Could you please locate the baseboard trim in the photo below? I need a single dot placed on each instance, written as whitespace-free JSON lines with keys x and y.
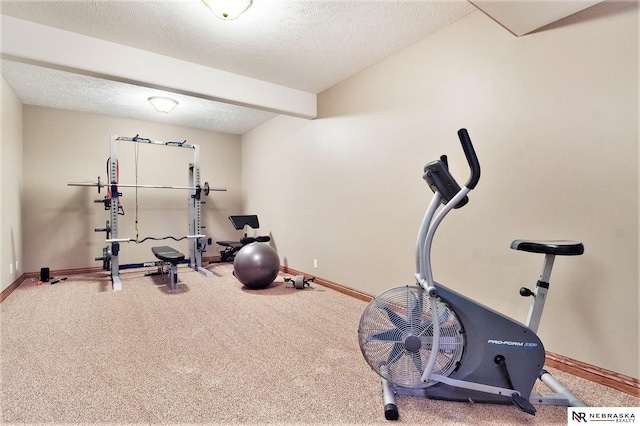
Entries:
{"x":330,"y":284}
{"x":7,"y":291}
{"x":35,"y":275}
{"x":580,"y":369}
{"x":595,"y":374}
{"x":62,"y":272}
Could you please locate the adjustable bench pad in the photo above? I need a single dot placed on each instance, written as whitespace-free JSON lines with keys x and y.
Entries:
{"x":168,"y":254}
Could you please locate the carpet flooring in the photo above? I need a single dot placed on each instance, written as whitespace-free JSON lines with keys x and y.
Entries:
{"x":213,"y":352}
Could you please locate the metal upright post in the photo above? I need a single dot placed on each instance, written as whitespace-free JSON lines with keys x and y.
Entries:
{"x":195,"y":256}
{"x":115,"y":246}
{"x":193,"y":229}
{"x":540,"y":294}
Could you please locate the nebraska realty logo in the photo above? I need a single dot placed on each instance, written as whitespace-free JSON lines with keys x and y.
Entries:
{"x":582,"y":415}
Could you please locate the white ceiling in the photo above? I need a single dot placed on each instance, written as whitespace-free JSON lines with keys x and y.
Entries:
{"x":108,"y":57}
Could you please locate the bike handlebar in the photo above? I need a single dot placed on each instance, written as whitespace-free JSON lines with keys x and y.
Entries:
{"x":472,"y":159}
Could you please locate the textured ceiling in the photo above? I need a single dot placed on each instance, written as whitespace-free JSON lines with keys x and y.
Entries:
{"x":283,"y":46}
{"x":307,"y":45}
{"x":302,"y":44}
{"x":41,"y":86}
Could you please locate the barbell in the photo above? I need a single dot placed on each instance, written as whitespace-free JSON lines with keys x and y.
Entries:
{"x":131,"y":240}
{"x":205,"y":188}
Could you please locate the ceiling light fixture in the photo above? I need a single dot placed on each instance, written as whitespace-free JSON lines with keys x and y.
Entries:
{"x":228,"y":9}
{"x":161,"y":104}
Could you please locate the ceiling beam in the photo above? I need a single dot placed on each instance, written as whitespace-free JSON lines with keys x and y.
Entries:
{"x":59,"y":49}
{"x":525,"y":16}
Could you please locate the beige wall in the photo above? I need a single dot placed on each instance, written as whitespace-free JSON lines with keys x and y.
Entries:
{"x":11,"y":265}
{"x":59,"y":220}
{"x":554,"y":117}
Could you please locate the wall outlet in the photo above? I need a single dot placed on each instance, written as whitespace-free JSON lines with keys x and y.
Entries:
{"x":11,"y":268}
{"x":315,"y":263}
{"x":17,"y":266}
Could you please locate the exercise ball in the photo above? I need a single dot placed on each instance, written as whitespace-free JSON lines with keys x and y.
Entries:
{"x":256,"y":265}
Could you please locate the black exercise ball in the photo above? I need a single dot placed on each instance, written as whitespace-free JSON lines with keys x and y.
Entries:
{"x":256,"y":265}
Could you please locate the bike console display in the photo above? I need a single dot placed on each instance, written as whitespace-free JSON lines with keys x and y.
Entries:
{"x":440,"y":180}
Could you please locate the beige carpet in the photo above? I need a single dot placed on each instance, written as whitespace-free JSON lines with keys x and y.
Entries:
{"x":211,"y":353}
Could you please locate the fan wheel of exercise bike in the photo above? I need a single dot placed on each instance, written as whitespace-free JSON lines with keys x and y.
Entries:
{"x":396,"y":336}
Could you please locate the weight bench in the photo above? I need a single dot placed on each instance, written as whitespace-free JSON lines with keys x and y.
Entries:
{"x":232,"y":247}
{"x":173,"y":257}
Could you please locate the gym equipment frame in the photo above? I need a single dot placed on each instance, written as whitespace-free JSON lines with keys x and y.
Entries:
{"x":232,"y":247}
{"x":428,"y":340}
{"x":196,"y":240}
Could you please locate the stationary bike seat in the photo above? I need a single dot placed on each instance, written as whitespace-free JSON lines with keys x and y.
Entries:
{"x":557,"y":247}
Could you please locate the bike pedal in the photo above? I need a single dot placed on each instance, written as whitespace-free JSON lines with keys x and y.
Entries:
{"x":523,"y":404}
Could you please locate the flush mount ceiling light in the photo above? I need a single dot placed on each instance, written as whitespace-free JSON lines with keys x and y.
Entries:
{"x":161,"y":104}
{"x":228,"y":9}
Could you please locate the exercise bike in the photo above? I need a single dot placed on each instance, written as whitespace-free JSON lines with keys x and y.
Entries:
{"x":427,"y":340}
